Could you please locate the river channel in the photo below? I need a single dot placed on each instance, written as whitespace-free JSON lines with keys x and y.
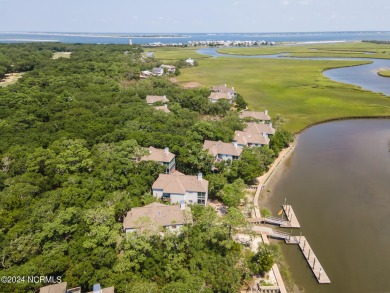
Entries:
{"x":338,"y":182}
{"x":364,"y":76}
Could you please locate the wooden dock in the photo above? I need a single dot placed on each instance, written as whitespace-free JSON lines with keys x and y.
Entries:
{"x":310,"y":257}
{"x":291,"y":217}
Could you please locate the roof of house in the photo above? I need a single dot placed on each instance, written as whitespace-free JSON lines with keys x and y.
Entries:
{"x":223,"y":89}
{"x":245,"y":138}
{"x":259,"y":128}
{"x":55,"y":288}
{"x":219,"y":147}
{"x":163,"y":108}
{"x":157,"y":70}
{"x":179,"y":184}
{"x":220,"y":95}
{"x":158,"y":155}
{"x":106,"y":290}
{"x":161,"y":214}
{"x":256,"y":115}
{"x":155,"y":99}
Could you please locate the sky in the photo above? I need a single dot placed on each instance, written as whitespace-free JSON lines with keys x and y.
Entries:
{"x":170,"y":16}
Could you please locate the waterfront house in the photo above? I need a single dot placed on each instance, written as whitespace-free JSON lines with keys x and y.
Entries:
{"x":260,"y":128}
{"x":170,"y":217}
{"x":214,"y":97}
{"x":163,"y":108}
{"x":162,"y":156}
{"x":96,"y":288}
{"x":222,"y":150}
{"x":157,"y":71}
{"x":178,"y":187}
{"x":259,"y":116}
{"x":244,"y":138}
{"x":150,"y":100}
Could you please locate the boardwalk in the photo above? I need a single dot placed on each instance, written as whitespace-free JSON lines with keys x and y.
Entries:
{"x":292,"y":218}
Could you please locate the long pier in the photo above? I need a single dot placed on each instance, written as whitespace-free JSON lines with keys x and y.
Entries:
{"x":291,"y":217}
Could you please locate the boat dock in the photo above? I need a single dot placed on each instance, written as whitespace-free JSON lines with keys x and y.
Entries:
{"x":291,"y":217}
{"x":310,"y":257}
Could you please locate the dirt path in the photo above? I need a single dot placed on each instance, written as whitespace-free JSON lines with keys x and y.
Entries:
{"x":10,"y":78}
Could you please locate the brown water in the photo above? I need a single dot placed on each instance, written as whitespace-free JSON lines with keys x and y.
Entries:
{"x":338,"y":182}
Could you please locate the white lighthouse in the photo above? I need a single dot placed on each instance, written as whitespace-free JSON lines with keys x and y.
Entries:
{"x":130,"y":42}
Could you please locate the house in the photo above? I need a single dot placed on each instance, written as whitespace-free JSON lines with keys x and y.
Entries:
{"x":97,"y":289}
{"x":222,"y":150}
{"x":260,"y":116}
{"x":162,"y":156}
{"x":163,"y":108}
{"x":243,"y":138}
{"x":214,"y":97}
{"x":157,"y":71}
{"x":171,"y":217}
{"x":168,"y":68}
{"x":260,"y":128}
{"x":59,"y":288}
{"x":177,"y":187}
{"x":224,"y":89}
{"x":190,"y":61}
{"x":154,"y":99}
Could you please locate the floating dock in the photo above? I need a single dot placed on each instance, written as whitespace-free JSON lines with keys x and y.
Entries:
{"x":291,"y":217}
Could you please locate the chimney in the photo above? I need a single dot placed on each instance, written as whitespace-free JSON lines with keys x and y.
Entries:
{"x":200,"y":175}
{"x":266,"y":112}
{"x":265,"y":135}
{"x":225,"y":84}
{"x":166,"y":150}
{"x":233,"y":88}
{"x":270,"y":125}
{"x":166,"y":106}
{"x":235,"y":144}
{"x":96,"y":288}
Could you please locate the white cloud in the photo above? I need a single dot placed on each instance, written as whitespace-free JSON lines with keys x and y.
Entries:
{"x":286,"y":2}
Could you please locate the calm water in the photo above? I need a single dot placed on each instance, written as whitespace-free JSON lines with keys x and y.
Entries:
{"x":137,"y":38}
{"x":338,"y":182}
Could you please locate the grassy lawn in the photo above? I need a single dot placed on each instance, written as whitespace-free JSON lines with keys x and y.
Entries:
{"x":10,"y":79}
{"x":61,"y":55}
{"x":352,"y":49}
{"x":172,"y":54}
{"x":294,"y":89}
{"x":384,"y":72}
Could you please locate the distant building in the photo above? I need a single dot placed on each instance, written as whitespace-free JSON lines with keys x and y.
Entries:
{"x":130,"y":42}
{"x":224,"y":89}
{"x":145,"y":74}
{"x":154,"y":99}
{"x":163,"y":108}
{"x":260,"y":128}
{"x":162,"y":156}
{"x":243,"y":138}
{"x":260,"y":116}
{"x":169,"y":68}
{"x":177,"y":187}
{"x":222,"y":150}
{"x":215,"y":97}
{"x":190,"y":61}
{"x":171,"y":217}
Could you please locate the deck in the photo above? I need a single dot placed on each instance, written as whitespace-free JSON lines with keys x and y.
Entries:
{"x":291,"y":217}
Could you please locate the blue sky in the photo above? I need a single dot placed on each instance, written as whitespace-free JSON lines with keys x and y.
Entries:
{"x":194,"y":16}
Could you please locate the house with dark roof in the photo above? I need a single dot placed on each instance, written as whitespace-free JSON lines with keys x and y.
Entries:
{"x":171,"y":217}
{"x":250,"y":139}
{"x":222,"y":150}
{"x":178,"y":187}
{"x":259,"y":116}
{"x":150,"y":100}
{"x":162,"y":156}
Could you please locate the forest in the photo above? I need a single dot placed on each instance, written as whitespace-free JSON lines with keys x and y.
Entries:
{"x":71,"y":132}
